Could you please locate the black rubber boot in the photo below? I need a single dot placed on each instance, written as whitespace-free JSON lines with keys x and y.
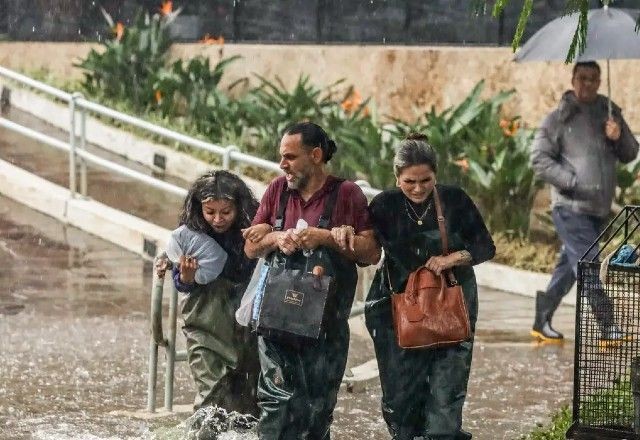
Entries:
{"x":542,"y":329}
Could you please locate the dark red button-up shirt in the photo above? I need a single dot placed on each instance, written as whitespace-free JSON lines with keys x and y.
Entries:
{"x":350,"y":209}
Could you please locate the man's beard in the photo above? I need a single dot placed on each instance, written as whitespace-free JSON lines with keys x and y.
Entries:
{"x":299,"y":182}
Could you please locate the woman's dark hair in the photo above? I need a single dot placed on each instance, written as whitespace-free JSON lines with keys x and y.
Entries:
{"x":313,"y":136}
{"x":414,"y":150}
{"x":218,"y":185}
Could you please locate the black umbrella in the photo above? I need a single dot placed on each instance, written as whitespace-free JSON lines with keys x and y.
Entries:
{"x":611,"y":35}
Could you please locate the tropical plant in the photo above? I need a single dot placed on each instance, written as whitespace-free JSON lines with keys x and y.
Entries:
{"x":628,"y":184}
{"x":487,"y":155}
{"x":127,"y":67}
{"x":189,"y":89}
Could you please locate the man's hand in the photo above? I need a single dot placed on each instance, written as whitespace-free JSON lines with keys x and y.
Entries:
{"x":288,"y":241}
{"x":612,"y":130}
{"x":188,"y":266}
{"x":310,"y":237}
{"x":256,"y":233}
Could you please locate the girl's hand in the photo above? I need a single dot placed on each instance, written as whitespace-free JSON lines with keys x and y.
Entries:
{"x":440,"y":263}
{"x":188,"y":266}
{"x":256,"y":233}
{"x":344,"y":236}
{"x":161,"y":265}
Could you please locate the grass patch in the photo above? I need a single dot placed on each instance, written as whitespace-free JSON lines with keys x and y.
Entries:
{"x":555,"y":430}
{"x":524,"y":254}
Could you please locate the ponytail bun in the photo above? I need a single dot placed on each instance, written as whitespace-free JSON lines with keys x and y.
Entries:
{"x":330,"y":150}
{"x":415,"y":136}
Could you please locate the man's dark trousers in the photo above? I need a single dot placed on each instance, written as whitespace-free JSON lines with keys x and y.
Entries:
{"x":577,"y":232}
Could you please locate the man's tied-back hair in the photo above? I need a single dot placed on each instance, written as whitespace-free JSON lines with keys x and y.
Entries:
{"x":218,"y":185}
{"x":414,"y":150}
{"x":313,"y":136}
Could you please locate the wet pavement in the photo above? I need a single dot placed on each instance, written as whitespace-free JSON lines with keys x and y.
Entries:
{"x":73,"y":326}
{"x":74,"y":330}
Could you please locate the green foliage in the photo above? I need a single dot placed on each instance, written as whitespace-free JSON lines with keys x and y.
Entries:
{"x":556,"y":430}
{"x":190,"y":90}
{"x":127,"y":66}
{"x":614,"y":404}
{"x":522,"y":22}
{"x":486,"y":155}
{"x":628,"y":184}
{"x":271,"y":107}
{"x":474,"y":149}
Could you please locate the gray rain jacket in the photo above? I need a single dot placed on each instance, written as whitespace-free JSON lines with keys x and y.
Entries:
{"x":570,"y":152}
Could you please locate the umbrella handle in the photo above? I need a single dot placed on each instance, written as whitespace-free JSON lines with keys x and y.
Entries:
{"x":608,"y":89}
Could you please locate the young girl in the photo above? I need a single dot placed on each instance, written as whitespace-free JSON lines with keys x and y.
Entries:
{"x":222,"y":356}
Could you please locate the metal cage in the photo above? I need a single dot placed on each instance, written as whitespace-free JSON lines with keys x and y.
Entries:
{"x":608,"y":294}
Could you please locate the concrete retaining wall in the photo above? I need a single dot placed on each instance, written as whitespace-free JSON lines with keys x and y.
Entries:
{"x":402,"y":80}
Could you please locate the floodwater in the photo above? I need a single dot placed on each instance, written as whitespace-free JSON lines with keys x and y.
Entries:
{"x":74,"y":332}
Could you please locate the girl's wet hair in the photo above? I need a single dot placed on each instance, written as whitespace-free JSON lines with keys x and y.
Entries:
{"x":313,"y":136}
{"x":218,"y":185}
{"x":414,"y":150}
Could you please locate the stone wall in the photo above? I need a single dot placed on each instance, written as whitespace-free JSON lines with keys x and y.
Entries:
{"x":402,"y":80}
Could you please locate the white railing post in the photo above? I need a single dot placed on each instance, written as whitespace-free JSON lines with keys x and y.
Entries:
{"x":226,"y":156}
{"x":73,"y":186}
{"x":83,"y":147}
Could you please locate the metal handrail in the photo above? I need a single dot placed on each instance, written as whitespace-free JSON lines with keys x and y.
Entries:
{"x":94,"y":159}
{"x":35,"y":84}
{"x":78,"y":103}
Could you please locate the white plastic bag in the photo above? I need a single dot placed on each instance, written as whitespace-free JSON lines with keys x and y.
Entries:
{"x":244,"y":313}
{"x":208,"y":253}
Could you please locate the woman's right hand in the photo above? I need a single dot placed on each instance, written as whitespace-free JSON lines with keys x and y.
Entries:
{"x":344,"y":236}
{"x":188,"y":266}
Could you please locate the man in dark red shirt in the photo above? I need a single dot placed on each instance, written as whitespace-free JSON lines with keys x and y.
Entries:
{"x":299,"y":383}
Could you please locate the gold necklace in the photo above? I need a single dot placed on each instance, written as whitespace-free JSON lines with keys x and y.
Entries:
{"x":418,"y":218}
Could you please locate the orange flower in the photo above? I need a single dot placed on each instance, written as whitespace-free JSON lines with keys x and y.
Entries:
{"x":158,"y":96}
{"x":463,"y":164}
{"x":509,"y":128}
{"x":208,"y":39}
{"x":352,"y":102}
{"x":119,"y":31}
{"x":166,"y":8}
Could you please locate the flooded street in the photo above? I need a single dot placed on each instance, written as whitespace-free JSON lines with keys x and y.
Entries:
{"x":74,"y":331}
{"x":73,"y":326}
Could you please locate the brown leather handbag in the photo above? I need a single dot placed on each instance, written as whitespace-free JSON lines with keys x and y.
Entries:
{"x":431,"y":312}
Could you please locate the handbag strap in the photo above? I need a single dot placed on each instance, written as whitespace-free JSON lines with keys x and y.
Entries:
{"x":443,"y":237}
{"x":451,"y":278}
{"x":441,"y":224}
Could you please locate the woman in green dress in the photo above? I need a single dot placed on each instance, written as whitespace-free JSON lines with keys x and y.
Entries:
{"x":423,"y":390}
